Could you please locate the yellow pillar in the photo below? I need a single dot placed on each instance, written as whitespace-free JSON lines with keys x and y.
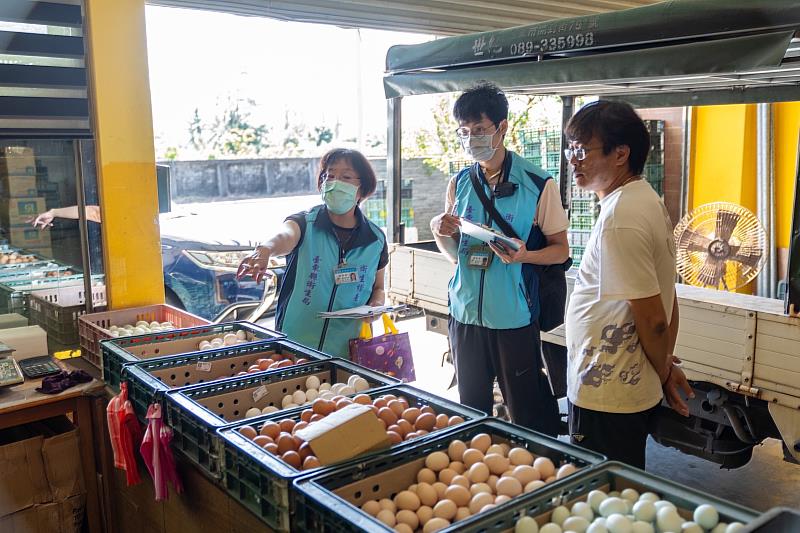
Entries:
{"x":787,"y":135}
{"x":122,"y":114}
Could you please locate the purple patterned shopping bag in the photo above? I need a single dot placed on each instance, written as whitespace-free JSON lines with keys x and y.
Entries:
{"x":389,"y":353}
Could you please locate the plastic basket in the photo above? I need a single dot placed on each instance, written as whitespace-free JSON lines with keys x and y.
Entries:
{"x":260,"y":481}
{"x":329,"y":501}
{"x":119,"y":351}
{"x":196,"y":412}
{"x":58,"y":310}
{"x":611,"y":476}
{"x":14,"y":295}
{"x":92,"y":328}
{"x":150,"y":380}
{"x":776,"y":520}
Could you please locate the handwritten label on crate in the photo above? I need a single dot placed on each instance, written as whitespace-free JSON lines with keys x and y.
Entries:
{"x":203,"y":366}
{"x":259,"y":393}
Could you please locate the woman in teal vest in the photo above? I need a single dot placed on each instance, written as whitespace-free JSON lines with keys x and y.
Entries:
{"x":335,"y":257}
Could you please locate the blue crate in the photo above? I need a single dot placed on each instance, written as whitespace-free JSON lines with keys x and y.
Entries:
{"x":118,"y":352}
{"x":149,"y":380}
{"x":196,"y":412}
{"x":323,"y":501}
{"x":260,"y":481}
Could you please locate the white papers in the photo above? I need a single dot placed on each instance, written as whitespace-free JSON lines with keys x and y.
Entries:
{"x":486,"y":234}
{"x":362,"y":311}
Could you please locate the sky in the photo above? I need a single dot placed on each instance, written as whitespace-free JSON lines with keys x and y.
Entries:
{"x":198,"y":59}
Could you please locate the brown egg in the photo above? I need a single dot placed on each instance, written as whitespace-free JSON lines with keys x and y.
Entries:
{"x":411,"y":435}
{"x":497,"y":463}
{"x":292,"y":458}
{"x":379,"y":402}
{"x":285,"y":363}
{"x":315,"y":418}
{"x":300,"y":425}
{"x":426,"y":475}
{"x":435,"y":524}
{"x":441,"y":421}
{"x":460,"y":480}
{"x":427,"y":409}
{"x":480,"y":500}
{"x":437,"y":461}
{"x":492,"y":482}
{"x":458,"y":494}
{"x":534,"y":485}
{"x":363,"y":399}
{"x":475,"y":488}
{"x":447,"y":475}
{"x":272,"y":448}
{"x":545,"y":466}
{"x":387,"y":517}
{"x":458,"y":467}
{"x":566,"y":470}
{"x":396,"y":429}
{"x":311,"y":462}
{"x":297,"y":442}
{"x":424,"y":513}
{"x":388,"y":416}
{"x":323,"y":407}
{"x":509,"y":486}
{"x":405,"y":426}
{"x":404,"y":401}
{"x":396,"y":407}
{"x":445,"y":509}
{"x":301,"y":361}
{"x":472,"y":456}
{"x":481,"y":442}
{"x":478,"y":473}
{"x":394,"y":437}
{"x":386,"y":503}
{"x":500,"y":500}
{"x":440,"y":489}
{"x":456,"y":450}
{"x":403,"y":528}
{"x":262,"y":440}
{"x":305,"y":450}
{"x":344,"y":402}
{"x":389,"y":397}
{"x":306,"y":415}
{"x":371,"y":507}
{"x":421,"y":432}
{"x":520,"y":456}
{"x":425,"y":422}
{"x":408,"y":518}
{"x":462,"y":513}
{"x":455,"y":420}
{"x":495,"y":448}
{"x":525,"y":474}
{"x":254,"y":368}
{"x":427,"y":494}
{"x":271,"y":430}
{"x":411,"y":414}
{"x":285,"y":443}
{"x":248,"y":432}
{"x":550,"y":479}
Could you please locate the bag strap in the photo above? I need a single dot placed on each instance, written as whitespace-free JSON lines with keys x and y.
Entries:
{"x":488,"y":205}
{"x":388,"y":325}
{"x":366,"y":331}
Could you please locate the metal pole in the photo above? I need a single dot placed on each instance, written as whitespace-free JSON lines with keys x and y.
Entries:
{"x":772,"y":258}
{"x":686,"y":160}
{"x":763,"y":192}
{"x":567,"y":110}
{"x":82,"y":227}
{"x":394,"y":181}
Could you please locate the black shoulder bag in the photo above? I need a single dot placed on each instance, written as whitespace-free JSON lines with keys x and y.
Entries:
{"x":550,"y":281}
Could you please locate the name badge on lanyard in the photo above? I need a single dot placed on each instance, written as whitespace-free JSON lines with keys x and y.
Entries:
{"x":480,"y":257}
{"x":344,"y":274}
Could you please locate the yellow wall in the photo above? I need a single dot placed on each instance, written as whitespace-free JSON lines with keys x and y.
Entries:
{"x":786,"y":118}
{"x":120,"y":90}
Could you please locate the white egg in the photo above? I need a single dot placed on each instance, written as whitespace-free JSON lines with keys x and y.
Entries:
{"x":361,"y":384}
{"x":706,"y":516}
{"x":216,"y":343}
{"x":644,"y":510}
{"x":595,"y":498}
{"x":347,"y":390}
{"x":311,"y":395}
{"x":206,"y":348}
{"x":668,"y":519}
{"x":322,"y":386}
{"x":351,"y":379}
{"x":660,"y":504}
{"x":613,"y":505}
{"x":326,"y":395}
{"x":155,"y":324}
{"x":720,"y":528}
{"x":203,"y":344}
{"x":629,"y":494}
{"x":613,"y":494}
{"x":312,"y":382}
{"x":578,"y":524}
{"x":299,"y":397}
{"x":253,"y":411}
{"x":616,"y":523}
{"x":286,"y":400}
{"x":291,"y":406}
{"x":336,"y":388}
{"x":142,"y":323}
{"x":112,"y":328}
{"x":229,"y":339}
{"x":526,"y":524}
{"x":128,"y":327}
{"x":597,"y":527}
{"x":735,"y":527}
{"x":601,"y":520}
{"x":642,"y":527}
{"x":115,"y":333}
{"x":241,"y":335}
{"x":583,"y":510}
{"x":559,"y":514}
{"x":691,"y":527}
{"x":550,"y":528}
{"x":649,"y":496}
{"x":269,"y":409}
{"x":138,"y":331}
{"x":167,"y":325}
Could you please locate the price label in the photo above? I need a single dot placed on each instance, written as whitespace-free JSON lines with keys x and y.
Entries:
{"x":203,"y":366}
{"x":259,"y":393}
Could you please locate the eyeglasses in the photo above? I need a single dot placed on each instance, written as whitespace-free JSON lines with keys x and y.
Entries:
{"x":465,"y":133}
{"x":578,"y":153}
{"x":347,"y":179}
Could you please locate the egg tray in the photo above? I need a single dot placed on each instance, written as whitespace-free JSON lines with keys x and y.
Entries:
{"x":261,"y":481}
{"x":322,"y":501}
{"x":611,"y":476}
{"x":150,"y":380}
{"x":57,"y":310}
{"x":196,"y":412}
{"x":118,"y":352}
{"x":14,"y":295}
{"x":36,"y":271}
{"x":776,"y":520}
{"x":92,"y":328}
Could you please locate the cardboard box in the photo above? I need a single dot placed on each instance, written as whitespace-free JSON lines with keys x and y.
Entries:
{"x":28,"y":237}
{"x":57,"y":517}
{"x":27,"y":341}
{"x":12,"y":320}
{"x":23,"y":481}
{"x":62,"y":458}
{"x":345,"y":434}
{"x":18,"y":211}
{"x":17,"y":161}
{"x":18,"y":186}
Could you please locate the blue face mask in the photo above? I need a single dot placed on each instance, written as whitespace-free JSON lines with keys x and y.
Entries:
{"x":339,"y":197}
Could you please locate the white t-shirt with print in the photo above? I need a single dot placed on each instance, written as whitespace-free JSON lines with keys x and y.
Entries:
{"x":630,"y":254}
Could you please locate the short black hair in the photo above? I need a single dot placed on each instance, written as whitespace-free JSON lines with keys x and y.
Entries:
{"x":483,"y":98}
{"x":615,"y":124}
{"x":359,"y":163}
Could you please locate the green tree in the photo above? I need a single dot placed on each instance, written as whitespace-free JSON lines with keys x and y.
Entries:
{"x":232,"y":132}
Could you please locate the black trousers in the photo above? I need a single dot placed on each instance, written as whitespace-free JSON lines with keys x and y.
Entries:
{"x":618,"y":436}
{"x":514,"y":357}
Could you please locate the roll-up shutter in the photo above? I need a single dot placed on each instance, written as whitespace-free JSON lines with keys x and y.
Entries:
{"x":43,"y":88}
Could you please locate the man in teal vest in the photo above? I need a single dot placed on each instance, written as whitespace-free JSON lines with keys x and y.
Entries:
{"x":494,"y":306}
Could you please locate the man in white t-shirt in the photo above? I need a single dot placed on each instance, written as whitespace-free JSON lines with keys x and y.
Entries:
{"x":622,"y":318}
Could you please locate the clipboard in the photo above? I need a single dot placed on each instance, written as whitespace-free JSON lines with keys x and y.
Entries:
{"x":486,"y":234}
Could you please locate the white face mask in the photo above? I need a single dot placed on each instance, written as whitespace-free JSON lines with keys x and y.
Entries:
{"x":479,"y":147}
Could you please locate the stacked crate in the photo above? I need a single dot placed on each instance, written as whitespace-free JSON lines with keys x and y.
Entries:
{"x":19,"y":200}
